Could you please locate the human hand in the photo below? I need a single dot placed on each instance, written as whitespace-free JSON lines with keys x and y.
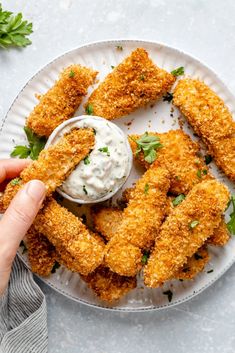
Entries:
{"x":18,"y":217}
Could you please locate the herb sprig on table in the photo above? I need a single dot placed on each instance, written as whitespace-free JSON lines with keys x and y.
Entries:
{"x":14,"y":30}
{"x":36,"y":145}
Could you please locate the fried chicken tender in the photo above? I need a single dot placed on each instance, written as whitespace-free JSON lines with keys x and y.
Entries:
{"x":106,"y":221}
{"x":134,"y":83}
{"x":185,"y":230}
{"x":41,"y":253}
{"x":55,"y":163}
{"x":141,"y":221}
{"x":180,"y":156}
{"x":220,"y":236}
{"x":211,"y":120}
{"x":109,"y":286}
{"x":79,"y":250}
{"x":62,"y":100}
{"x":108,"y":218}
{"x":194,"y":265}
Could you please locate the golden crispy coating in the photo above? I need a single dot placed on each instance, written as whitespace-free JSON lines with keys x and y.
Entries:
{"x":2,"y":208}
{"x":54,"y":163}
{"x":220,"y":236}
{"x":134,"y":83}
{"x":194,"y":265}
{"x":109,"y":286}
{"x":185,"y":230}
{"x":41,"y":253}
{"x":72,"y":240}
{"x":126,"y":195}
{"x":141,"y":221}
{"x":180,"y":156}
{"x":62,"y":100}
{"x":211,"y":120}
{"x":106,"y":221}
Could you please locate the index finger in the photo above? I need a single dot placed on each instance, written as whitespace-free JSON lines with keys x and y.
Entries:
{"x":10,"y":168}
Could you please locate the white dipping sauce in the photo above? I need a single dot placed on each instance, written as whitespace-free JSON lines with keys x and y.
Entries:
{"x":106,"y":167}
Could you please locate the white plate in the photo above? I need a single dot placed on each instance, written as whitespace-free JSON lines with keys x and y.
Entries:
{"x":101,"y":56}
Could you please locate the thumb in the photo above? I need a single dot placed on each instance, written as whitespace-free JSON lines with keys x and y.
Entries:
{"x":17,"y":220}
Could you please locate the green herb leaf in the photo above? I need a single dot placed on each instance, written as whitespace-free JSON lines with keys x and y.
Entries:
{"x":15,"y":181}
{"x":199,"y":174}
{"x":21,"y":151}
{"x":112,"y":67}
{"x":168,"y":97}
{"x":105,"y":150}
{"x":119,"y":47}
{"x":148,"y":144}
{"x":89,"y":109}
{"x":208,"y":159}
{"x":142,"y":77}
{"x":36,"y":145}
{"x":210,"y":271}
{"x":145,"y":257}
{"x":178,"y":72}
{"x":204,"y":171}
{"x":71,"y":74}
{"x":193,"y":224}
{"x":55,"y":267}
{"x":169,"y":295}
{"x":84,"y":189}
{"x":87,"y":160}
{"x":178,"y":200}
{"x":13,"y":30}
{"x":231,"y":223}
{"x":146,"y":189}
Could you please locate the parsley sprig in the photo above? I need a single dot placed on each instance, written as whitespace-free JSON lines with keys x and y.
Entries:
{"x":13,"y":30}
{"x":148,"y":144}
{"x":178,"y":72}
{"x":36,"y":144}
{"x":231,"y":223}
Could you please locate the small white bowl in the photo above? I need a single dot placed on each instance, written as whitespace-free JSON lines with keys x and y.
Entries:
{"x":65,"y":126}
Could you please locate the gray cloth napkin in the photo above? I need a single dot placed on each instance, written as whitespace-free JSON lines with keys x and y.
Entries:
{"x":23,"y":314}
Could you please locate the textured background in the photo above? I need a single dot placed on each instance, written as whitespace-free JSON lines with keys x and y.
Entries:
{"x":204,"y":28}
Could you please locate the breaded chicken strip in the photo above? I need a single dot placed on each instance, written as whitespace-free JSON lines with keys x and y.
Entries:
{"x":134,"y":83}
{"x":220,"y":236}
{"x":185,"y":230}
{"x":194,"y":265}
{"x":109,"y":286}
{"x":55,"y":163}
{"x":62,"y":100}
{"x":141,"y":221}
{"x":41,"y":253}
{"x":180,"y":155}
{"x":108,"y":218}
{"x":211,"y":120}
{"x":106,"y":221}
{"x":81,"y":251}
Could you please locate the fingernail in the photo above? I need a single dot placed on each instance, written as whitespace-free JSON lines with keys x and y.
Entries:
{"x":36,"y":190}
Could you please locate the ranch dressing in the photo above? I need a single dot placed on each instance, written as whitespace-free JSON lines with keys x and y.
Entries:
{"x":107,"y":166}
